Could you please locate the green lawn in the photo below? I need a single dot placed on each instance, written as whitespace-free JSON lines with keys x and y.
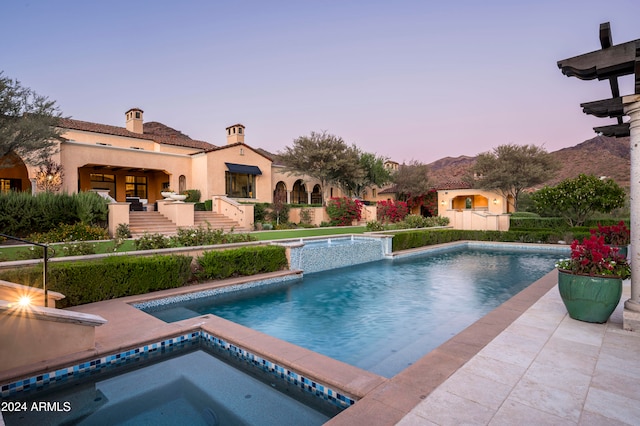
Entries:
{"x":9,"y":253}
{"x":309,"y":232}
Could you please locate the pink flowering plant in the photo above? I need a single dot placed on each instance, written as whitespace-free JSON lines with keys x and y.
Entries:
{"x":343,"y":211}
{"x":389,"y":211}
{"x":615,"y":235}
{"x":595,"y":258}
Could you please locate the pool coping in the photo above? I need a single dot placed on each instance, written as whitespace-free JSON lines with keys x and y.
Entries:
{"x":379,"y":400}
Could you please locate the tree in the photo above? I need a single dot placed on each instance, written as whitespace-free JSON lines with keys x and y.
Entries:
{"x":510,"y":169}
{"x":577,"y":199}
{"x":411,"y":180}
{"x":27,"y":124}
{"x":324,"y":157}
{"x":372,"y":172}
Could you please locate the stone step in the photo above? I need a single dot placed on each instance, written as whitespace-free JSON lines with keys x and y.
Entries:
{"x":155,"y":223}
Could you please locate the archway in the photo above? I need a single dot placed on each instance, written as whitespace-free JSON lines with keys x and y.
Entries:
{"x":14,"y":175}
{"x":299,"y":193}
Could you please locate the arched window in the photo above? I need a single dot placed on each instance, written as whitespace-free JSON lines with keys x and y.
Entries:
{"x":316,"y":195}
{"x":280,"y":193}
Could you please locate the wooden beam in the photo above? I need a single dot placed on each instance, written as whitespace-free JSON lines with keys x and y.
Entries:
{"x":605,"y":108}
{"x":614,"y":61}
{"x":614,"y":130}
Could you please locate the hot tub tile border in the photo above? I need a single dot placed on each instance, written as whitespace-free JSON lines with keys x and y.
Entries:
{"x":183,"y":341}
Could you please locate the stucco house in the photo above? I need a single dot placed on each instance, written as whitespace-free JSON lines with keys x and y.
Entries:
{"x":140,"y":160}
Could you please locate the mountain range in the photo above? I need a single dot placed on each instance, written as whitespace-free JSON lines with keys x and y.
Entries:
{"x":600,"y":156}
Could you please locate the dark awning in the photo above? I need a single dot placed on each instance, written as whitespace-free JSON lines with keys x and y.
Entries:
{"x":243,"y":169}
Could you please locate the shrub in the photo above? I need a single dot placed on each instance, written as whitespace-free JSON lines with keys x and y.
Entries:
{"x":412,"y":239}
{"x":67,"y":233}
{"x":152,"y":242}
{"x":200,"y":236}
{"x":305,"y":216}
{"x":208,"y":205}
{"x":123,"y":231}
{"x":343,"y":211}
{"x":117,"y":276}
{"x":374,"y":226}
{"x":260,"y":212}
{"x":241,"y":262}
{"x":193,"y":195}
{"x":22,"y":214}
{"x":91,"y":208}
{"x":390,"y":211}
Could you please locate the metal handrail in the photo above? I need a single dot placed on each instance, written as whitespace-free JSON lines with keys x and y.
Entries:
{"x":45,"y":260}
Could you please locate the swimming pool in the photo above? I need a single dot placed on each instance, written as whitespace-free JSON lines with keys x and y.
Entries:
{"x":381,"y":316}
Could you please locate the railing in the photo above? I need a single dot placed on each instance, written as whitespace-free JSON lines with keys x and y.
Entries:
{"x":45,"y":261}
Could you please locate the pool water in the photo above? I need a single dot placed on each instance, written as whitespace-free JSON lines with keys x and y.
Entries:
{"x":381,"y":316}
{"x":193,"y":389}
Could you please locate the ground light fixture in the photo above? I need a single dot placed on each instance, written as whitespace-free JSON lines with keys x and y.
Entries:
{"x":45,"y":259}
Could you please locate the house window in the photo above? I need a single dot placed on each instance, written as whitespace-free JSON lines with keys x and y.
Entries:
{"x":240,"y":185}
{"x":7,"y":185}
{"x":374,"y":193}
{"x":137,"y":114}
{"x":136,"y":186}
{"x":103,"y":181}
{"x":468,"y":203}
{"x":240,"y":130}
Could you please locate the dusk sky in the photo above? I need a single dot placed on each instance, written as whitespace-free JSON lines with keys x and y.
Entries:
{"x":403,"y":79}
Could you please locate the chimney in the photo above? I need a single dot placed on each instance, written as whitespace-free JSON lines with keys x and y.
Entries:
{"x":235,"y":134}
{"x":134,"y":120}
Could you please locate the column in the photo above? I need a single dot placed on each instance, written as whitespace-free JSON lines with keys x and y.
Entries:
{"x":631,"y":315}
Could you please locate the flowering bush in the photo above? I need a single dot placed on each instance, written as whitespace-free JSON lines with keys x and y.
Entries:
{"x":390,"y":211}
{"x":343,"y":211}
{"x":615,"y":235}
{"x":68,"y":233}
{"x":593,"y":257}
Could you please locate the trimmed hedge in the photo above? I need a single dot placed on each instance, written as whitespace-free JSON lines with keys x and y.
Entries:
{"x":241,"y":262}
{"x":109,"y":278}
{"x":518,"y":223}
{"x":413,"y":239}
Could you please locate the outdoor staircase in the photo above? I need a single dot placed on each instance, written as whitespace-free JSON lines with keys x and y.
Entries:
{"x":217,"y":221}
{"x":151,"y":223}
{"x":156,"y":223}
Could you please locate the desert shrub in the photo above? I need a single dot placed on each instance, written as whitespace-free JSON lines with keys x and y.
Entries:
{"x":241,"y":262}
{"x":343,"y":211}
{"x":117,"y":276}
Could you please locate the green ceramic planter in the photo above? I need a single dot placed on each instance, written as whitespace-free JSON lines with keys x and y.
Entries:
{"x":590,"y":299}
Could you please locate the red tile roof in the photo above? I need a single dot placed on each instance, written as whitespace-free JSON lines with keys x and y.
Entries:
{"x":156,"y":132}
{"x":257,"y":151}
